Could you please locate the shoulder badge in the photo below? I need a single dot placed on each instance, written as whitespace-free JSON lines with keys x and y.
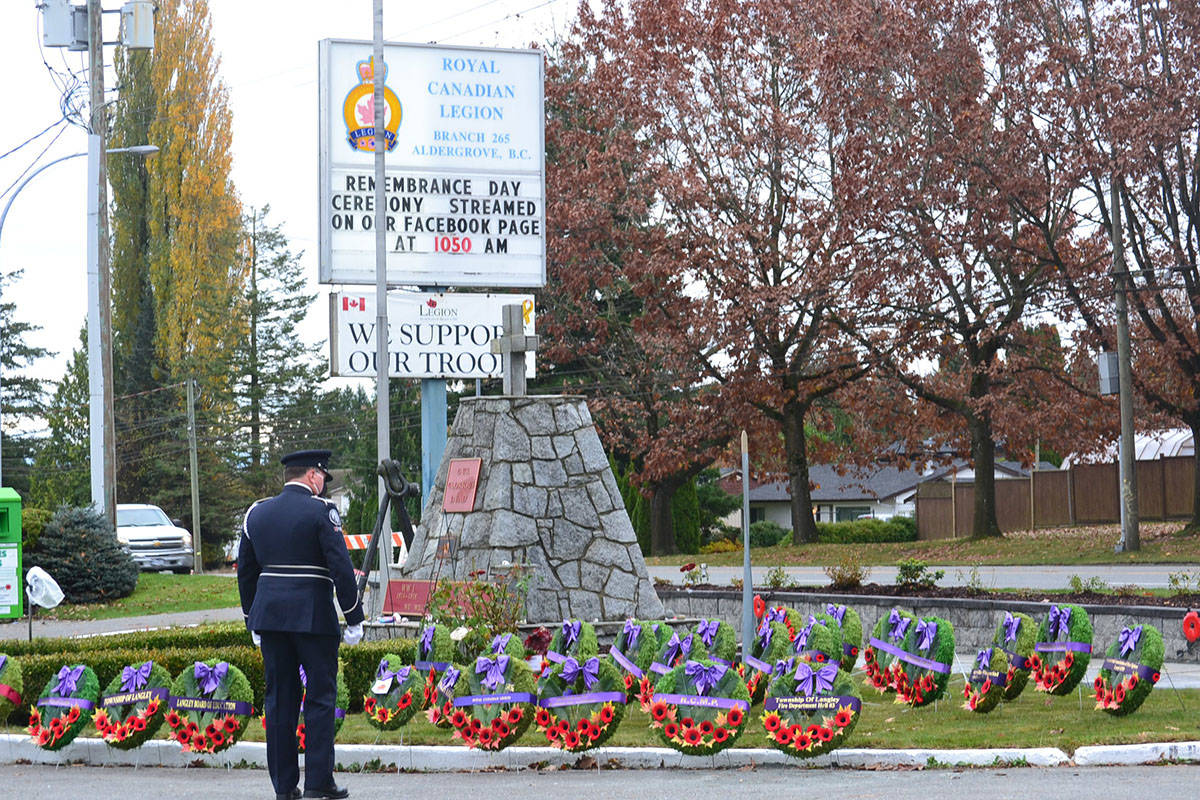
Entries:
{"x":334,"y":517}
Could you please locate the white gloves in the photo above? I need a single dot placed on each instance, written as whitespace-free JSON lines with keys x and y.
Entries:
{"x":254,"y":637}
{"x":353,"y":634}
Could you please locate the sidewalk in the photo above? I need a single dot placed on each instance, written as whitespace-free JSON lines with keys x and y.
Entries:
{"x":48,"y":629}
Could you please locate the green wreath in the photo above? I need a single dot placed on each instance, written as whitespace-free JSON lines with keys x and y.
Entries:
{"x":392,"y":701}
{"x":985,"y":684}
{"x":851,"y":624}
{"x":133,"y":706}
{"x":493,"y":702}
{"x":923,"y":673}
{"x":633,"y":651}
{"x":573,"y":638}
{"x":820,"y":639}
{"x":715,"y":640}
{"x":700,"y":707}
{"x":769,"y":646}
{"x":790,"y":617}
{"x":210,"y":706}
{"x":341,"y":702}
{"x":810,"y":709}
{"x":12,"y":683}
{"x":879,"y":656}
{"x":1015,"y":636}
{"x":580,"y":705}
{"x":65,"y":707}
{"x":1063,"y":650}
{"x":435,"y":652}
{"x":1132,"y":666}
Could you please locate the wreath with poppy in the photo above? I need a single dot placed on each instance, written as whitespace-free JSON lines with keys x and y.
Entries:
{"x":493,"y":702}
{"x":210,"y":705}
{"x":770,"y":644}
{"x":65,"y":707}
{"x":133,"y":706}
{"x":789,"y":617}
{"x":1063,"y":650}
{"x":810,"y":707}
{"x":985,"y":684}
{"x":574,"y":638}
{"x":715,"y":640}
{"x":632,"y":653}
{"x":1191,"y":626}
{"x":392,"y":700}
{"x":673,"y":650}
{"x":1131,"y":668}
{"x":700,"y":707}
{"x":340,"y":702}
{"x":879,"y":656}
{"x":435,"y":652}
{"x":12,"y":683}
{"x":580,"y":704}
{"x":1015,"y":636}
{"x":851,"y":626}
{"x":922,"y":674}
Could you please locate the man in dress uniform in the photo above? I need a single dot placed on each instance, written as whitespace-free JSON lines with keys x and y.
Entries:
{"x":294,"y":576}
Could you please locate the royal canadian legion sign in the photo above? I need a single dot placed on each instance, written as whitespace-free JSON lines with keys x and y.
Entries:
{"x":465,"y":180}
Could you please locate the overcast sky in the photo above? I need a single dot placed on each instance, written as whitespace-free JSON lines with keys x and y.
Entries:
{"x":269,"y":62}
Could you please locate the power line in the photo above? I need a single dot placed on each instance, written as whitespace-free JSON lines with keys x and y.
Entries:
{"x":37,"y":135}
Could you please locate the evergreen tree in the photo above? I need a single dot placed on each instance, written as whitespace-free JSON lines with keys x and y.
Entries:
{"x":685,"y":513}
{"x":60,"y":474}
{"x":21,"y":396}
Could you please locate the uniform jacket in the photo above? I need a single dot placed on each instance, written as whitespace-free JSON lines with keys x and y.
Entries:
{"x":294,"y":573}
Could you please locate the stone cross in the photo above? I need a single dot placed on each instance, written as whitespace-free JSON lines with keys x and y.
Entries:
{"x":513,"y":345}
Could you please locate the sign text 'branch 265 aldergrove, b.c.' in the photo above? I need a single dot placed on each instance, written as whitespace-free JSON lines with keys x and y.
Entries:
{"x":465,"y":185}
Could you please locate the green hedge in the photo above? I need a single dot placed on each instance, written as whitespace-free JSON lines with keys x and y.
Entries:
{"x":868,"y":531}
{"x":223,"y":634}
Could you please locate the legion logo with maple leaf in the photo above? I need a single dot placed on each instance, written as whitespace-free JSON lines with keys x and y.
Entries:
{"x":358,"y":110}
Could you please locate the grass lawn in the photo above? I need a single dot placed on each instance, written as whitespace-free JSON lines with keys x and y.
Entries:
{"x":1033,"y":720}
{"x":157,"y":593}
{"x":1161,"y":544}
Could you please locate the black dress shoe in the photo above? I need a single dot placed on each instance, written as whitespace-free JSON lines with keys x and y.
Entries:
{"x":294,"y":794}
{"x":334,"y":792}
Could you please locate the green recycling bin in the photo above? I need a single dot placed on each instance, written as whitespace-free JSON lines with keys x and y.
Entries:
{"x":12,"y":599}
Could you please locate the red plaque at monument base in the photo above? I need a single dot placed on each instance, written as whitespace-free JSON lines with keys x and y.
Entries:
{"x":407,"y":598}
{"x":462,"y":478}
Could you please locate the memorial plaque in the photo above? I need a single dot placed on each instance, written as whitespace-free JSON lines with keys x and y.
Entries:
{"x":462,"y":478}
{"x":407,"y":598}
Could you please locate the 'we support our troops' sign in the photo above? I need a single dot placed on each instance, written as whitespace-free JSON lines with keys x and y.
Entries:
{"x":465,"y":180}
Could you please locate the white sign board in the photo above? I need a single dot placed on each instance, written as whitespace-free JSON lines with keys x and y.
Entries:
{"x":10,"y":584}
{"x":465,"y":175}
{"x":430,"y":335}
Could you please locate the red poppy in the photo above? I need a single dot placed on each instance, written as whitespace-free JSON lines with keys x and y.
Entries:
{"x":671,"y":729}
{"x":760,"y":607}
{"x":692,"y":736}
{"x":606,"y":714}
{"x":476,"y":725}
{"x":198,"y":742}
{"x":1191,"y":626}
{"x":801,"y":742}
{"x":628,"y":682}
{"x":515,"y":715}
{"x":705,"y":727}
{"x":987,"y":686}
{"x":458,"y":719}
{"x":552,"y":733}
{"x":571,"y":740}
{"x":771,"y":722}
{"x":967,"y":691}
{"x":230,"y":724}
{"x":563,"y":726}
{"x":582,"y":725}
{"x":1098,"y":683}
{"x":659,"y":711}
{"x":877,"y":680}
{"x":56,"y":725}
{"x":1069,"y":659}
{"x":972,"y":702}
{"x":842,"y":719}
{"x":43,"y":737}
{"x":35,"y":719}
{"x":218,"y":739}
{"x":541,"y":718}
{"x":734,"y":717}
{"x":192,"y":727}
{"x":72,"y":715}
{"x":688,"y":567}
{"x":720,"y":734}
{"x":209,"y":729}
{"x":369,"y":703}
{"x":869,"y":655}
{"x":138,"y":724}
{"x":183,"y":738}
{"x":1133,"y":681}
{"x":405,"y":700}
{"x":783,"y":736}
{"x":824,"y":734}
{"x":502,"y":730}
{"x":1119,"y":694}
{"x":485,"y":736}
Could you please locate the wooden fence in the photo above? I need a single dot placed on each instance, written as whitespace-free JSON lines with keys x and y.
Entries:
{"x":1084,"y":494}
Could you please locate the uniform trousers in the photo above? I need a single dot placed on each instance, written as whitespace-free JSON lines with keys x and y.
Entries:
{"x":283,"y":654}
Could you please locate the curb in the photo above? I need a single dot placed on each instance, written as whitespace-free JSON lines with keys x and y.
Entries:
{"x":1126,"y":754}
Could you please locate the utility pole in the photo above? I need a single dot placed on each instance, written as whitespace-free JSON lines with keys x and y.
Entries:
{"x":194,"y":472}
{"x":1130,"y":537}
{"x":383,"y":413}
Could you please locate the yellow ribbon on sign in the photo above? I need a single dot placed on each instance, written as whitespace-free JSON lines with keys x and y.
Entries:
{"x":527,"y":310}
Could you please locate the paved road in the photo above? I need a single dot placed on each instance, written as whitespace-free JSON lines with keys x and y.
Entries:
{"x":120,"y":783}
{"x":1149,"y":576}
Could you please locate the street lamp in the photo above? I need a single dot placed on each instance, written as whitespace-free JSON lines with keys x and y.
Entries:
{"x":96,"y":378}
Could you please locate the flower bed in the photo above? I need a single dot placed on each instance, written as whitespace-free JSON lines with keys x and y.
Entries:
{"x":1131,"y":668}
{"x":209,"y":706}
{"x":700,"y":707}
{"x":985,"y":684}
{"x":65,"y":707}
{"x":1016,"y":636}
{"x":133,"y":706}
{"x":493,"y":702}
{"x":1063,"y":650}
{"x":580,"y":705}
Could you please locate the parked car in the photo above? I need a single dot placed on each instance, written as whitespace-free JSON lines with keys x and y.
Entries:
{"x":153,"y":539}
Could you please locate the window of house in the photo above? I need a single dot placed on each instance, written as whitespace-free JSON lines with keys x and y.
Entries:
{"x":847,"y":513}
{"x":757,"y":514}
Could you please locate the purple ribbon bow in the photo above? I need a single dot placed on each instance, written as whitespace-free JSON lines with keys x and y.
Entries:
{"x":984,"y":659}
{"x":449,"y":678}
{"x":802,"y":637}
{"x":707,"y":630}
{"x":926,"y":632}
{"x":775,"y":615}
{"x":303,"y":677}
{"x":500,"y":641}
{"x":68,"y":681}
{"x":781,"y":666}
{"x":590,"y":670}
{"x":764,"y":636}
{"x":1058,"y":621}
{"x":837,"y":612}
{"x":899,"y":625}
{"x":570,"y":632}
{"x":492,"y":670}
{"x":1129,"y":639}
{"x":811,"y":681}
{"x":383,"y":673}
{"x":632,"y":632}
{"x":704,"y":677}
{"x":209,"y":678}
{"x":134,"y":679}
{"x":1011,"y":626}
{"x":427,"y":640}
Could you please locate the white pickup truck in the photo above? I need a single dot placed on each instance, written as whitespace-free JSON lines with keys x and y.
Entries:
{"x":154,"y":541}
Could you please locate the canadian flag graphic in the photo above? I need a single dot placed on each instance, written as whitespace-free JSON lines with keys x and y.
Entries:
{"x":354,"y":304}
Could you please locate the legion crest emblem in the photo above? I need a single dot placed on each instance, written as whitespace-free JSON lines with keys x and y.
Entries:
{"x":358,"y":110}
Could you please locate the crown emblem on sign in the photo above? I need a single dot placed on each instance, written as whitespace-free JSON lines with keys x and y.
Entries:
{"x":358,"y":110}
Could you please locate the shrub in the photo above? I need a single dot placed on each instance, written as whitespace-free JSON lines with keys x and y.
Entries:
{"x":847,"y":573}
{"x":765,"y":533}
{"x":777,"y":578}
{"x":868,"y":531}
{"x":719,"y":546}
{"x":79,"y":548}
{"x":685,"y":514}
{"x":912,"y":573}
{"x":33,"y":522}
